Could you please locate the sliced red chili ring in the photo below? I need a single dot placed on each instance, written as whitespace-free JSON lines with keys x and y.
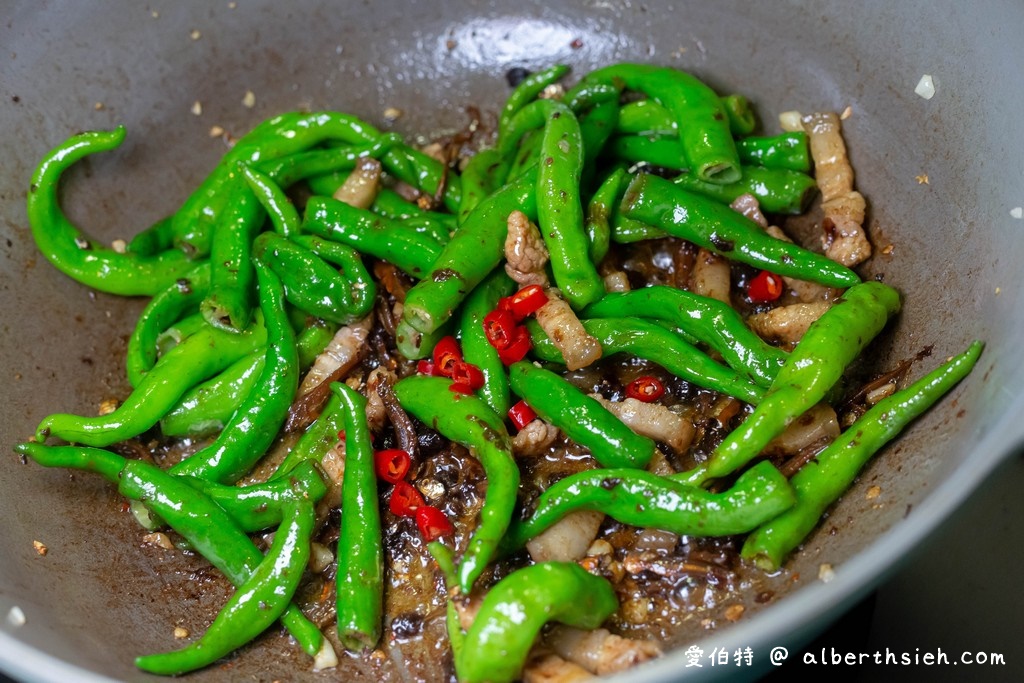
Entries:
{"x":525,"y":302}
{"x":405,"y":499}
{"x":521,"y":414}
{"x":392,"y":465}
{"x":645,"y":389}
{"x":518,"y":348}
{"x":433,"y":523}
{"x":765,"y":287}
{"x":499,"y":328}
{"x":446,"y":354}
{"x":468,"y":374}
{"x":460,"y":388}
{"x":426,"y":367}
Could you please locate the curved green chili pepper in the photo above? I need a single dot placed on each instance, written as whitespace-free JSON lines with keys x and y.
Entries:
{"x":473,"y":252}
{"x":647,"y":117}
{"x":211,"y":532}
{"x":701,"y":119}
{"x":600,"y":209}
{"x":78,"y":256}
{"x":360,"y":583}
{"x":786,"y":150}
{"x":467,"y":420}
{"x":527,"y":90}
{"x":258,"y":419}
{"x":414,"y":344}
{"x":655,"y":343}
{"x":262,"y":506}
{"x":482,"y":175}
{"x":583,"y":419}
{"x":154,"y":239}
{"x":527,"y":155}
{"x":475,"y":347}
{"x":811,"y":370}
{"x":104,"y":463}
{"x":205,"y":408}
{"x":199,"y":356}
{"x":371,"y":234}
{"x":596,"y":105}
{"x":711,"y":321}
{"x":313,"y":339}
{"x":647,"y":500}
{"x":741,"y":116}
{"x":257,"y":603}
{"x":166,"y":308}
{"x":425,"y":173}
{"x":820,"y":482}
{"x":517,"y":607}
{"x":716,"y":227}
{"x":325,"y":165}
{"x":363,"y":289}
{"x":311,"y":284}
{"x":283,"y":214}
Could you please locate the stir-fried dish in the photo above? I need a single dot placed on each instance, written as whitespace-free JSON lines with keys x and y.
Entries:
{"x":535,"y":389}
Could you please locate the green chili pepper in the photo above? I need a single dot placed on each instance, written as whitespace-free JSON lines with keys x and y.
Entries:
{"x":413,"y":344}
{"x":315,"y":337}
{"x":482,"y":175}
{"x":517,"y":607}
{"x":820,"y":482}
{"x":199,"y":356}
{"x":262,"y":506}
{"x":647,"y":500}
{"x":582,"y":418}
{"x":75,"y":254}
{"x":527,"y":155}
{"x":363,"y":289}
{"x":716,"y":227}
{"x":475,"y":347}
{"x":371,"y":234}
{"x":473,"y":252}
{"x":599,"y":212}
{"x":741,"y":116}
{"x":467,"y":420}
{"x":205,"y":408}
{"x":255,"y":424}
{"x":154,"y":239}
{"x":596,"y":105}
{"x":166,"y":308}
{"x":106,"y":464}
{"x":647,"y":117}
{"x":275,"y":202}
{"x":711,"y":321}
{"x":425,"y":173}
{"x":786,"y":150}
{"x":701,"y":119}
{"x":257,"y":603}
{"x":318,"y":438}
{"x":811,"y":370}
{"x":527,"y":90}
{"x":360,"y":584}
{"x":654,"y":343}
{"x":325,"y":165}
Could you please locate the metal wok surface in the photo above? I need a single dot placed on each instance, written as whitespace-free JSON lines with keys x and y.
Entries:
{"x":96,"y":599}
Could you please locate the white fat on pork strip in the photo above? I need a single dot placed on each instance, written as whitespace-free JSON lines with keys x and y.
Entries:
{"x":600,"y":651}
{"x":786,"y":324}
{"x":711,"y":276}
{"x":345,"y":346}
{"x":526,"y":255}
{"x":534,"y":439}
{"x":565,"y":330}
{"x":362,"y":184}
{"x":568,"y":539}
{"x":652,"y":420}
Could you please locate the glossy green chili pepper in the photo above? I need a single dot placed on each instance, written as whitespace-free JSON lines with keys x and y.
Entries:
{"x":329,"y":165}
{"x":467,"y":420}
{"x":104,"y":463}
{"x":599,"y":212}
{"x":830,"y":344}
{"x":596,"y":105}
{"x":154,"y":239}
{"x":205,"y":408}
{"x":199,"y":356}
{"x":258,"y":419}
{"x":527,"y":90}
{"x":75,"y":254}
{"x":741,"y":116}
{"x":647,"y":117}
{"x":318,"y":438}
{"x":166,"y":308}
{"x":274,"y":138}
{"x":310,"y":283}
{"x":517,"y":607}
{"x":482,"y":175}
{"x":701,"y":120}
{"x":821,"y":481}
{"x":527,"y":155}
{"x":257,"y":603}
{"x":647,"y":500}
{"x":276,"y":204}
{"x":582,"y":418}
{"x":414,"y":344}
{"x":786,"y":150}
{"x":713,"y":322}
{"x":716,"y":227}
{"x":262,"y":506}
{"x":426,"y":174}
{"x":654,"y":343}
{"x":211,"y":532}
{"x":474,"y":251}
{"x":360,"y":586}
{"x":363,"y":289}
{"x":475,"y":347}
{"x":313,"y":339}
{"x":371,"y":234}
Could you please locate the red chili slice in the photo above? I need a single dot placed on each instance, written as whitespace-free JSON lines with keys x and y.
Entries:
{"x":518,"y":348}
{"x":392,"y":465}
{"x":460,"y":388}
{"x":521,"y":414}
{"x":446,"y":354}
{"x":468,"y":374}
{"x":405,"y":499}
{"x":765,"y":288}
{"x":525,"y":302}
{"x":426,"y":367}
{"x":499,"y":328}
{"x":645,"y":389}
{"x":433,"y":523}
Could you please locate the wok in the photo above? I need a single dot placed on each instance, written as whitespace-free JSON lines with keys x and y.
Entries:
{"x":96,"y":599}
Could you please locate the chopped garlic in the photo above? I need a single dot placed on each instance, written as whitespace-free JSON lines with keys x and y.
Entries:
{"x":1017,"y":212}
{"x":826,"y":573}
{"x":16,"y":617}
{"x":925,"y":87}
